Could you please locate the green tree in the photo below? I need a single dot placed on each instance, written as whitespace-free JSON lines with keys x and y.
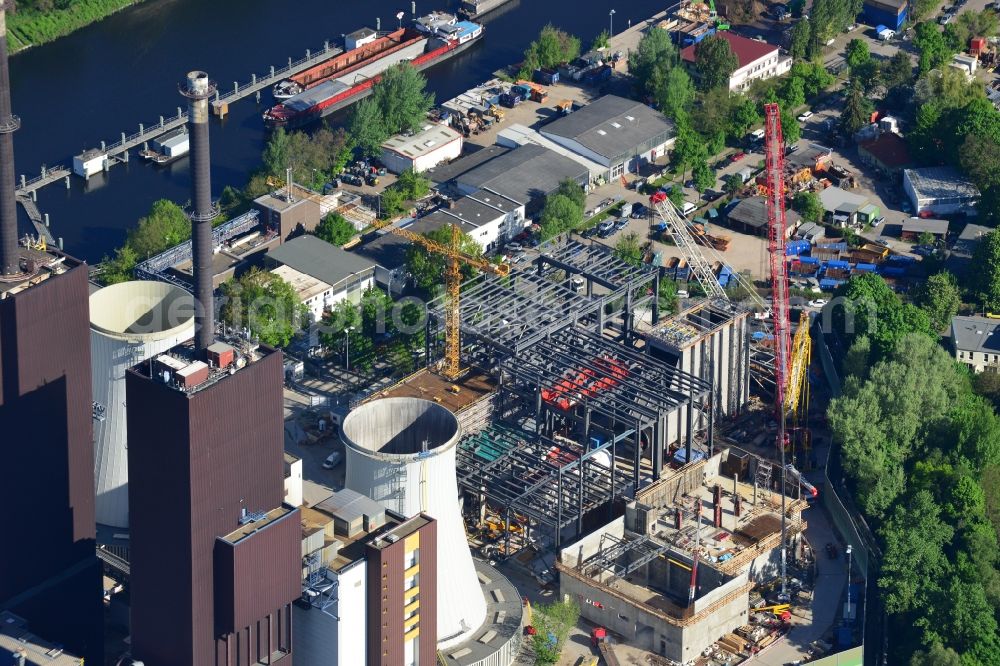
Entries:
{"x":392,"y":202}
{"x":335,"y":229}
{"x":668,"y":296}
{"x":732,"y":185}
{"x":796,"y":7}
{"x":793,"y":92}
{"x":915,"y":537}
{"x":703,"y":176}
{"x":897,"y":76}
{"x":118,"y":268}
{"x":553,"y":47}
{"x":815,"y":78}
{"x":940,"y":298}
{"x":858,"y":358}
{"x":559,"y":215}
{"x":744,"y":115}
{"x":677,"y":94}
{"x":798,"y":45}
{"x":934,"y":50}
{"x":986,"y":278}
{"x":572,"y":189}
{"x":808,"y":205}
{"x":413,"y":185}
{"x":427,"y":268}
{"x":791,"y":131}
{"x":856,"y":113}
{"x":715,"y":62}
{"x":689,"y":147}
{"x":871,"y":308}
{"x":368,"y":127}
{"x":401,"y":97}
{"x":649,"y":63}
{"x":165,"y":226}
{"x":552,"y":620}
{"x":857,"y":54}
{"x":979,"y":157}
{"x":629,"y":249}
{"x":264,"y":303}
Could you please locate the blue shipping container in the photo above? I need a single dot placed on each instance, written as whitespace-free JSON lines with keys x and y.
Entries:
{"x":893,"y":271}
{"x":809,"y":261}
{"x":796,"y":247}
{"x":866,"y":268}
{"x":838,"y":264}
{"x":829,"y":284}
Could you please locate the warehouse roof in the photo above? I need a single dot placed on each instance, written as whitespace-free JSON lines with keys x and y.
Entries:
{"x":746,"y":50}
{"x":612,"y":125}
{"x":753,"y":213}
{"x":967,"y":241}
{"x":975,"y":334}
{"x":424,"y":142}
{"x":918,"y":225}
{"x":469,"y":211}
{"x":940,"y":183}
{"x":810,"y":156}
{"x":314,"y":256}
{"x":523,"y":174}
{"x":836,"y":200}
{"x":387,"y":250}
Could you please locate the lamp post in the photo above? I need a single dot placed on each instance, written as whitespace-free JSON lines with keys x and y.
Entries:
{"x":347,"y":347}
{"x":611,"y":17}
{"x":848,"y":609}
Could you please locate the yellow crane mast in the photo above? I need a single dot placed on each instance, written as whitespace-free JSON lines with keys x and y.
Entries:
{"x":797,"y":390}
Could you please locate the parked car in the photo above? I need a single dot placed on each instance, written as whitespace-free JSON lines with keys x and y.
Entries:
{"x":352,"y":179}
{"x":514,"y":247}
{"x":621,"y":224}
{"x":804,"y":116}
{"x":606,"y":228}
{"x":818,"y":303}
{"x":736,"y":157}
{"x":333,"y":460}
{"x":638,"y":211}
{"x":682,"y":293}
{"x":589,"y":232}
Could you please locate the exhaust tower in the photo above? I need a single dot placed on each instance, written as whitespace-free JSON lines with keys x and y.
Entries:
{"x":9,"y":123}
{"x":198,"y":89}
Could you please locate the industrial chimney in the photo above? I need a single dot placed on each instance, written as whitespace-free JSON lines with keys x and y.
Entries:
{"x":9,"y":256}
{"x":198,"y":90}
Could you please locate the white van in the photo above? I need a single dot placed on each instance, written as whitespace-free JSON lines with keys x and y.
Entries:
{"x":688,"y":208}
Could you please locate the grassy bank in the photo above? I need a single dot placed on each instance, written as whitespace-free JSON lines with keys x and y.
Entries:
{"x":30,"y":27}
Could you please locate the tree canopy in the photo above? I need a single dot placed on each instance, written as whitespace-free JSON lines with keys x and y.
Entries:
{"x":399,"y":103}
{"x":651,"y":61}
{"x":715,"y":62}
{"x":986,"y":278}
{"x":563,"y":210}
{"x":313,"y":158}
{"x":335,"y":229}
{"x":870,"y":308}
{"x":809,"y":206}
{"x":427,"y":268}
{"x":940,"y":298}
{"x":552,"y":48}
{"x":264,"y":303}
{"x":629,"y":249}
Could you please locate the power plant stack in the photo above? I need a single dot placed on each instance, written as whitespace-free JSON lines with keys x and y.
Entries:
{"x":401,"y":453}
{"x":198,"y":90}
{"x":130,"y":323}
{"x":9,"y":123}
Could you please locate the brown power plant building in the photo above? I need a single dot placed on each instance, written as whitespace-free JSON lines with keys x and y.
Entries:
{"x":49,"y":573}
{"x":215,"y":555}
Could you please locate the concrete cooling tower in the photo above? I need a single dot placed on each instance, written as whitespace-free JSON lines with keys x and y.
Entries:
{"x":401,"y":452}
{"x":129,"y":323}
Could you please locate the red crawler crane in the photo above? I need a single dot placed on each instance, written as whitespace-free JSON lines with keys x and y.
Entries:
{"x":776,"y":234}
{"x":774,"y":147}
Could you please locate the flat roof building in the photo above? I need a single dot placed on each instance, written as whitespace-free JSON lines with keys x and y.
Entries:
{"x":842,"y":207}
{"x":965,"y":246}
{"x":487,"y":217}
{"x":373,"y":572}
{"x":346,"y":274}
{"x":618,"y":133}
{"x":17,"y":642}
{"x":388,"y":252}
{"x":49,"y":573}
{"x":751,"y":215}
{"x":524,"y":175}
{"x":915,"y":226}
{"x":940,"y":190}
{"x":215,"y":552}
{"x":422,"y":150}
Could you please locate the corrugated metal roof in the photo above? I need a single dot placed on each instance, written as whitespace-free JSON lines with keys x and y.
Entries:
{"x":611,"y":126}
{"x":314,"y":256}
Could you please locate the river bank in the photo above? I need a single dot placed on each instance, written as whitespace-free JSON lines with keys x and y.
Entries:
{"x":28,"y":27}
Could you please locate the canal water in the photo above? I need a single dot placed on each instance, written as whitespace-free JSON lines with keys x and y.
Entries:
{"x":107,"y":78}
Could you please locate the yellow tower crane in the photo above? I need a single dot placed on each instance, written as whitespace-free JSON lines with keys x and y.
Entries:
{"x":797,"y":390}
{"x":453,"y":283}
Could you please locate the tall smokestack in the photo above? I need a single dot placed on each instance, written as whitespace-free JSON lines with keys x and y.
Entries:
{"x":198,"y":90}
{"x":9,"y":256}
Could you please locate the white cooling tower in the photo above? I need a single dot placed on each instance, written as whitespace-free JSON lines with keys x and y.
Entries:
{"x":401,"y":452}
{"x":129,"y":323}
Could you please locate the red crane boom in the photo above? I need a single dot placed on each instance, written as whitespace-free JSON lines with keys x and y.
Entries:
{"x":776,"y":234}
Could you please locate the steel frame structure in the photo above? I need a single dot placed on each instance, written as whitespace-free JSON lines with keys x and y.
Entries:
{"x":515,"y":469}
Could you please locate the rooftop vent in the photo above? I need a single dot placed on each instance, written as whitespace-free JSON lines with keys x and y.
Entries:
{"x":616,"y":125}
